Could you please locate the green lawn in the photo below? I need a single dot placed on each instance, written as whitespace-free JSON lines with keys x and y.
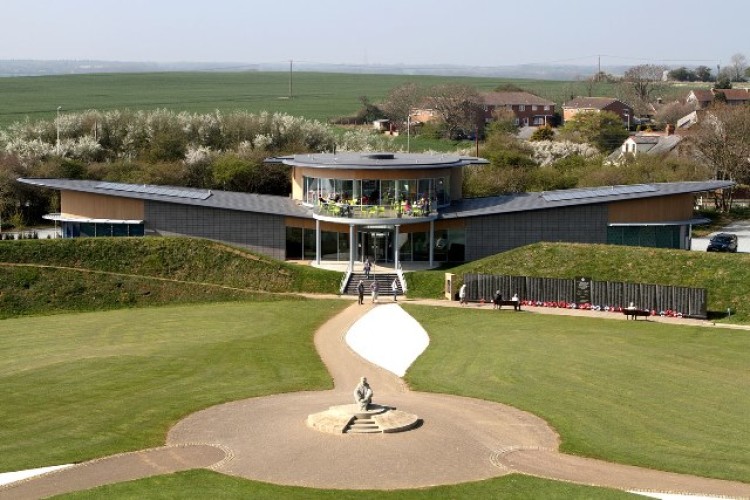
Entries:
{"x":660,"y":396}
{"x":86,"y":385}
{"x":92,"y":384}
{"x":205,"y":484}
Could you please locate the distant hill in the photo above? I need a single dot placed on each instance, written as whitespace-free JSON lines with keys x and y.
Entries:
{"x":533,"y":71}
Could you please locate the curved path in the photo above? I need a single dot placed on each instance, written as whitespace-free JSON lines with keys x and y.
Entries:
{"x":460,"y":440}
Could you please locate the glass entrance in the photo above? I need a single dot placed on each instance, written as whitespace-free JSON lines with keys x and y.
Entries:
{"x":375,"y":243}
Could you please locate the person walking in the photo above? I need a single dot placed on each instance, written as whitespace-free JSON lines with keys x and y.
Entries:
{"x":367,"y":268}
{"x":394,"y":287}
{"x":462,"y":294}
{"x":361,"y":292}
{"x":374,"y":289}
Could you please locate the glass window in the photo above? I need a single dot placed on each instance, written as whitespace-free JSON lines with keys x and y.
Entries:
{"x":294,"y":243}
{"x":370,"y":192}
{"x":522,"y":107}
{"x":308,"y":236}
{"x":329,"y":245}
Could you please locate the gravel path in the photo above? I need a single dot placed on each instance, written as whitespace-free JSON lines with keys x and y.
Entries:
{"x":460,"y":440}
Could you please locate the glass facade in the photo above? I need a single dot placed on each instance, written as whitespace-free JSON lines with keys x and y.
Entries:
{"x":376,"y":192}
{"x":378,"y":244}
{"x":97,"y":229}
{"x":644,"y":236}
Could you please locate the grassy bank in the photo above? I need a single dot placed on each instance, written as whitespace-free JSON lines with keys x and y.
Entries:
{"x":725,"y":276}
{"x":654,"y":395}
{"x":183,"y":266}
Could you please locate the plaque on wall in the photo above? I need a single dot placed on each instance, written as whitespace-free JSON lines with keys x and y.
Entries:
{"x":583,"y":290}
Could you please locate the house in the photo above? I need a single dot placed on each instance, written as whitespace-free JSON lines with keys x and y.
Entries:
{"x":652,"y":143}
{"x":346,"y":207}
{"x":702,"y":98}
{"x":528,"y":108}
{"x":597,"y":105}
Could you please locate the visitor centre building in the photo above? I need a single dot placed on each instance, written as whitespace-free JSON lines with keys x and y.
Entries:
{"x":393,"y":208}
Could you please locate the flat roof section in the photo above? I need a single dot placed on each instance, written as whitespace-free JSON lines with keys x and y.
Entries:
{"x":377,"y":161}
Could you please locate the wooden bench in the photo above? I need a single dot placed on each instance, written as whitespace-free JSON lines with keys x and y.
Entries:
{"x":634,"y":313}
{"x":515,"y":303}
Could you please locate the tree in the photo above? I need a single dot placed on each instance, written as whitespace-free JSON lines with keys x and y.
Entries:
{"x":673,"y":111}
{"x":604,"y":130}
{"x":682,"y":74}
{"x":703,"y":74}
{"x":544,"y":133}
{"x":722,"y":140}
{"x":644,"y":80}
{"x":368,"y":112}
{"x":457,"y":105}
{"x":400,"y":101}
{"x":739,"y":65}
{"x":723,"y":82}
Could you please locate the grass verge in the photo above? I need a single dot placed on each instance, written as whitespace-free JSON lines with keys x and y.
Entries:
{"x":205,"y":484}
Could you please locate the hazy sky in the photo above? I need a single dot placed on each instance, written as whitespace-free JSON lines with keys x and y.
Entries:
{"x":409,"y":32}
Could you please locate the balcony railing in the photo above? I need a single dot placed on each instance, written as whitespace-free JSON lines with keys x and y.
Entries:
{"x":346,"y":210}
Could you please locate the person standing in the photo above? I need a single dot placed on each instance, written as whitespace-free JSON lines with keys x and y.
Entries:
{"x":367,"y":268}
{"x":374,"y":289}
{"x":394,"y":287}
{"x":462,"y":294}
{"x":497,"y":300}
{"x":361,"y":292}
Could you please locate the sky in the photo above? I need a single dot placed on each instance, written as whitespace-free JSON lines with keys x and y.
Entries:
{"x":412,"y":33}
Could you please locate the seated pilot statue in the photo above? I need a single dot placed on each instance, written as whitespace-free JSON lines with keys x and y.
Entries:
{"x":363,"y":394}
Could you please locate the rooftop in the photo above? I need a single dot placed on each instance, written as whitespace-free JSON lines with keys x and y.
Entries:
{"x":376,"y":161}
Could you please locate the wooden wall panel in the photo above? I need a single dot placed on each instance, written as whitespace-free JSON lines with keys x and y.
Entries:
{"x":661,"y":209}
{"x":97,"y":206}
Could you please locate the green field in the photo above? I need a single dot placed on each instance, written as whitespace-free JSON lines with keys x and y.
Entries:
{"x":319,"y":96}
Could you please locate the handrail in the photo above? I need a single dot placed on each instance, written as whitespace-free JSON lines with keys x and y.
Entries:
{"x":401,"y":277}
{"x":345,"y":278}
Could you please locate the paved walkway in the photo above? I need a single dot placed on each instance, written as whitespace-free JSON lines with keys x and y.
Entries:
{"x":460,"y":440}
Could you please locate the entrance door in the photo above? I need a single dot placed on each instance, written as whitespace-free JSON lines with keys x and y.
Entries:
{"x":377,"y":244}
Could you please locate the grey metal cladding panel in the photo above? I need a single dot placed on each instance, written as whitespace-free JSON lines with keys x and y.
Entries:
{"x":263,"y":233}
{"x":489,"y":235}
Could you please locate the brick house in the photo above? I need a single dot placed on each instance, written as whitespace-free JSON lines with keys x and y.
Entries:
{"x":528,"y":108}
{"x":598,"y":104}
{"x":702,"y":98}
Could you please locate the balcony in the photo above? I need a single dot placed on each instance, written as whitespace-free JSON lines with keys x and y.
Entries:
{"x":380,"y":214}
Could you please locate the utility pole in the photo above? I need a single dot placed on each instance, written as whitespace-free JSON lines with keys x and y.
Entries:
{"x":599,"y":72}
{"x":290,"y":78}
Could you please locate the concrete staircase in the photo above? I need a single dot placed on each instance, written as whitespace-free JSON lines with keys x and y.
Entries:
{"x":361,"y":424}
{"x":384,"y":284}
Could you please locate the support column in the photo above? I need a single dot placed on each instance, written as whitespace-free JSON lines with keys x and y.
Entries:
{"x":396,"y":250}
{"x":317,"y":241}
{"x":432,"y":242}
{"x":352,"y":247}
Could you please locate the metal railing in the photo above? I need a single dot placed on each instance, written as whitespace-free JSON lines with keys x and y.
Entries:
{"x":345,"y":279}
{"x":401,"y":277}
{"x":345,"y":210}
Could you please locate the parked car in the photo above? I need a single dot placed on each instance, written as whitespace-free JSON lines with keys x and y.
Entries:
{"x":723,"y":242}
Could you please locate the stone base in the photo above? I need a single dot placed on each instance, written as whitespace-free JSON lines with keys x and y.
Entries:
{"x":351,"y":419}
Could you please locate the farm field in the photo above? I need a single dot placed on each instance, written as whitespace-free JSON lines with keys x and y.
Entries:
{"x":319,"y":96}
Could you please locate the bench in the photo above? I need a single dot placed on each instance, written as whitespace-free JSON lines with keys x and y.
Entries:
{"x":515,"y":303}
{"x":634,"y":313}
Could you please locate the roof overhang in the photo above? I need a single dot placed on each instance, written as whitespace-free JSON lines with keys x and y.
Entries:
{"x":74,"y":218}
{"x":688,"y":222}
